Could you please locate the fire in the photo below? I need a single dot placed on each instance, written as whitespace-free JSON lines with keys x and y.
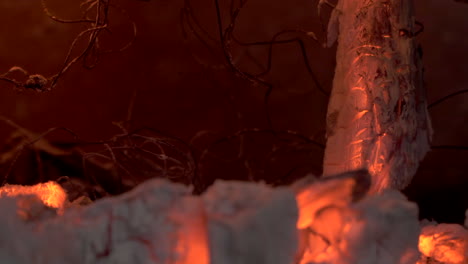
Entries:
{"x":446,"y":243}
{"x":334,"y":224}
{"x":50,"y":193}
{"x":192,"y":246}
{"x":324,"y":194}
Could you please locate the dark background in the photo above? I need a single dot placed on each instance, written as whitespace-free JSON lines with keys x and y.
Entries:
{"x":185,"y":89}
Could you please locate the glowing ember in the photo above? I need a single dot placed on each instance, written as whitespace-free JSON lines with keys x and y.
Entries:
{"x":446,"y":243}
{"x":192,"y":237}
{"x":50,"y":193}
{"x":324,"y":194}
{"x":377,"y":229}
{"x":337,"y":222}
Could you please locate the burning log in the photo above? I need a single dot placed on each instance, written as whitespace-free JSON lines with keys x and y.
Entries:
{"x":377,"y":115}
{"x":50,"y":193}
{"x":158,"y":222}
{"x":313,"y":195}
{"x":340,"y":224}
{"x":315,"y":221}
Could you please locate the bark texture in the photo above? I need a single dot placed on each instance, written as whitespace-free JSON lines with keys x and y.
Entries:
{"x":377,"y":115}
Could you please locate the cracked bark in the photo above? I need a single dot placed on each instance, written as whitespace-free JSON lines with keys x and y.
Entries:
{"x":377,"y":115}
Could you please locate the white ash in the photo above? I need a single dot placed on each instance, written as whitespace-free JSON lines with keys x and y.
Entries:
{"x":251,"y":223}
{"x":132,"y":228}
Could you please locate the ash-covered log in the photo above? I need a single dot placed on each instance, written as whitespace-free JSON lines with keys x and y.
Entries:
{"x":158,"y":222}
{"x":331,"y":220}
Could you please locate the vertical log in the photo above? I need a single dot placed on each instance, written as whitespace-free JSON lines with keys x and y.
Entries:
{"x":377,"y":115}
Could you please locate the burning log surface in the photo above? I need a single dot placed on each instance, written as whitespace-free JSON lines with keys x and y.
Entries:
{"x":50,"y":193}
{"x":331,"y":220}
{"x":158,"y":222}
{"x":443,"y":243}
{"x":351,"y":227}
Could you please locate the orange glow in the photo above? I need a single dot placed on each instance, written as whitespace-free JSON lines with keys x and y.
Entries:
{"x":323,"y":194}
{"x":361,"y":56}
{"x":426,"y":244}
{"x":356,"y":142}
{"x":50,"y":193}
{"x":192,"y":245}
{"x":320,"y":208}
{"x":360,"y":132}
{"x":359,"y":115}
{"x":358,"y":88}
{"x":443,"y":247}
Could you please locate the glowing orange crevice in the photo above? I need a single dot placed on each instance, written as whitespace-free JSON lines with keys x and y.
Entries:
{"x":50,"y":193}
